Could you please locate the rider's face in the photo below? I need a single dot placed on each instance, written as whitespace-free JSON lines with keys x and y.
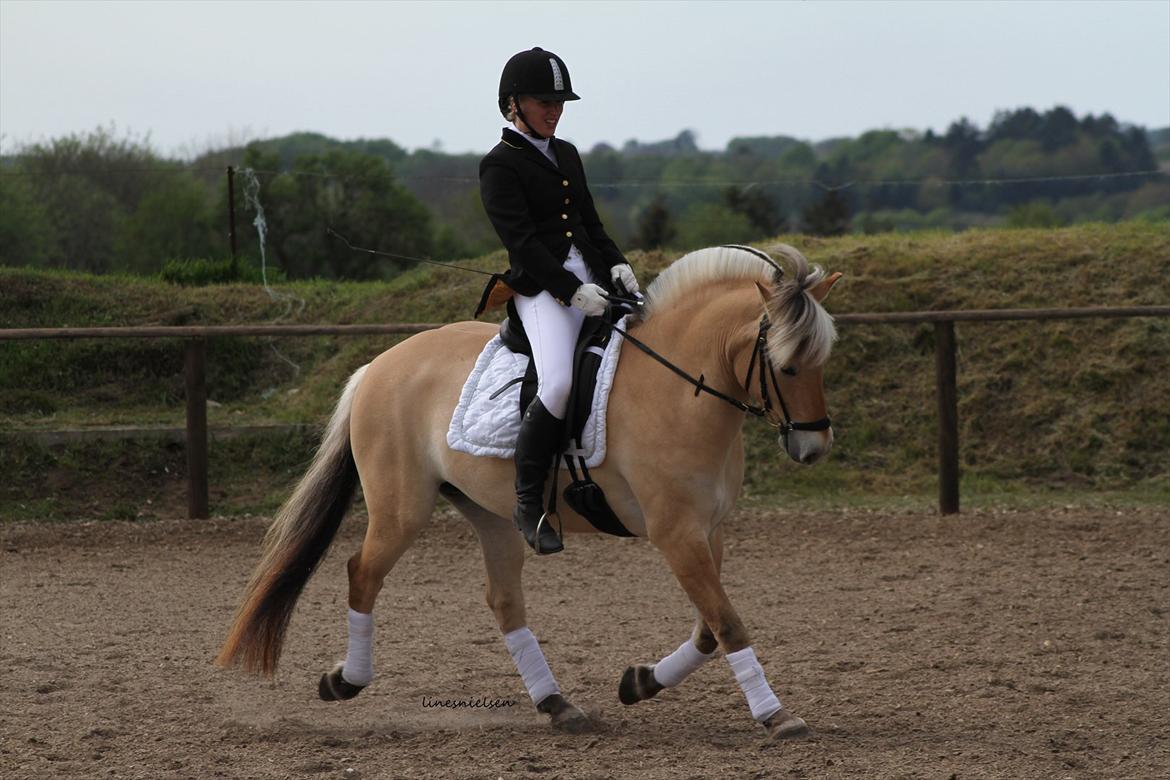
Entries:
{"x":543,"y":114}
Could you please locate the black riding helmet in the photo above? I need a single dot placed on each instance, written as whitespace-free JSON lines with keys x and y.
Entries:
{"x":538,"y":73}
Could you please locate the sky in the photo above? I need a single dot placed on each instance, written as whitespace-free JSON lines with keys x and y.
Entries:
{"x":194,"y":76}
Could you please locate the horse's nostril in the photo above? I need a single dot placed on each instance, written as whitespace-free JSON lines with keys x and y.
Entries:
{"x":809,"y":458}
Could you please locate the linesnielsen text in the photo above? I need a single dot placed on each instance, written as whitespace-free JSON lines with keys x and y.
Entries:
{"x":478,"y":703}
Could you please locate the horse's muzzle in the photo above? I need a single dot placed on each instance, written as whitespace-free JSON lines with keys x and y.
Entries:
{"x":807,"y":447}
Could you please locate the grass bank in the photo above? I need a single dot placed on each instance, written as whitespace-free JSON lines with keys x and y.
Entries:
{"x":1055,"y":411}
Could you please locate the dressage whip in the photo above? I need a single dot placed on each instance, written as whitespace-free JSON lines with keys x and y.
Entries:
{"x":379,"y":253}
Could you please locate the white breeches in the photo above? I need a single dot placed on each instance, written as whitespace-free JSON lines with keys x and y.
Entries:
{"x":552,"y":330}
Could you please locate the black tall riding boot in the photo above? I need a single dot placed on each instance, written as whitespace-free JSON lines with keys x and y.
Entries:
{"x":536,"y":446}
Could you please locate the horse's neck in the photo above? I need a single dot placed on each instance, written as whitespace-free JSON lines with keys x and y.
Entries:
{"x":711,"y":333}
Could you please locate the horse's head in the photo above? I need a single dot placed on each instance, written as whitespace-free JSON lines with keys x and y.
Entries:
{"x":800,"y":338}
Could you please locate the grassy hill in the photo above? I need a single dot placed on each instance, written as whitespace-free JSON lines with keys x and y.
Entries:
{"x":1047,"y":409}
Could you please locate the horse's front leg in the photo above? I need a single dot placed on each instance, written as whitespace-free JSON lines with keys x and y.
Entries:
{"x":690,"y":556}
{"x":645,"y":681}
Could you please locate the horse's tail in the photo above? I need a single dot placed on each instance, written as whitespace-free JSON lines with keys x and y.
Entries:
{"x":294,"y":545}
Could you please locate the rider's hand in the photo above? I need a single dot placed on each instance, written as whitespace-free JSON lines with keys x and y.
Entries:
{"x":590,"y":298}
{"x":623,"y":276}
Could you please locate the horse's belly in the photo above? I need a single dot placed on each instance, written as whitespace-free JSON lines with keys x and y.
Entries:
{"x":403,"y":409}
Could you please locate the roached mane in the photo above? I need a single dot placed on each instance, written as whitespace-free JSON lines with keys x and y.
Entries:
{"x":801,"y":328}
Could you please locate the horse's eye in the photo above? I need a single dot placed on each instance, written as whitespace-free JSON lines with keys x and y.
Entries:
{"x":788,"y":371}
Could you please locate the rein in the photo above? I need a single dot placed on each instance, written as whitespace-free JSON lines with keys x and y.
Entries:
{"x":760,"y":356}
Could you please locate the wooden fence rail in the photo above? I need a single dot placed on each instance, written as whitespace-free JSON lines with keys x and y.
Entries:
{"x":195,"y":370}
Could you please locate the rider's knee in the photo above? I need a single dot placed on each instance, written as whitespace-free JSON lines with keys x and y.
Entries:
{"x":554,"y":394}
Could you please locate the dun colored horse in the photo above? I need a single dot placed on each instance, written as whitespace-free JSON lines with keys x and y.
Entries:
{"x":673,"y":470}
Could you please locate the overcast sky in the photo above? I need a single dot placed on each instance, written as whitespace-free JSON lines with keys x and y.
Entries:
{"x":196,"y":75}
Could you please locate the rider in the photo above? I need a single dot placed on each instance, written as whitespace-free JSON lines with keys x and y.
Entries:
{"x":562,"y":262}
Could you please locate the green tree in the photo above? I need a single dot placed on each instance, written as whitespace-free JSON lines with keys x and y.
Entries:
{"x":760,"y":209}
{"x":353,"y":193}
{"x":174,"y":221}
{"x":91,"y":188}
{"x":827,"y":217}
{"x":26,"y":232}
{"x":655,"y":226}
{"x":964,"y":144}
{"x":712,"y":224}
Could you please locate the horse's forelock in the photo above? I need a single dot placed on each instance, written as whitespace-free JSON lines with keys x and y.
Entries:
{"x":802,"y":329}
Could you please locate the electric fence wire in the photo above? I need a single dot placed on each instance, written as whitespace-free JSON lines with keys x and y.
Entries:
{"x":696,"y":182}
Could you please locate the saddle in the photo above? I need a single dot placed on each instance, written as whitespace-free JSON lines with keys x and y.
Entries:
{"x":582,"y":494}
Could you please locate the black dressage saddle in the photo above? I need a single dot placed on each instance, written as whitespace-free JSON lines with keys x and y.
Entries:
{"x":582,"y":494}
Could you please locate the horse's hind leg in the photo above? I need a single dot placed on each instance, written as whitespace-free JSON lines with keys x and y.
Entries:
{"x":503,"y":557}
{"x":397,"y":513}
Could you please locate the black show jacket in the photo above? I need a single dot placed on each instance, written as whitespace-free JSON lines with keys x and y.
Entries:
{"x":539,"y":209}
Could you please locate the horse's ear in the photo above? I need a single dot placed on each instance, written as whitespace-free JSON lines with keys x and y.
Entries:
{"x":822,"y":289}
{"x":765,"y":294}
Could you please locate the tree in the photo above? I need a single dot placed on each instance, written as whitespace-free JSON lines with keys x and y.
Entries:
{"x":762,"y":147}
{"x":353,"y":193}
{"x":827,"y":217}
{"x":963,"y":143}
{"x":712,"y":224}
{"x":681,"y":144}
{"x":1022,"y":125}
{"x":1059,"y":129}
{"x":172,"y":222}
{"x":761,"y":211}
{"x":655,"y":227}
{"x":26,"y":233}
{"x":113,"y":204}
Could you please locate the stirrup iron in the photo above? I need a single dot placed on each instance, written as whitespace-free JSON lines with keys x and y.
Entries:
{"x":544,"y":520}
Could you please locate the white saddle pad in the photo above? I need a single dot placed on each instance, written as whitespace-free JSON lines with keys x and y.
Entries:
{"x":488,"y":427}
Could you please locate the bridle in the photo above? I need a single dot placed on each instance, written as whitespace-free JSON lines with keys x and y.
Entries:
{"x":765,"y":410}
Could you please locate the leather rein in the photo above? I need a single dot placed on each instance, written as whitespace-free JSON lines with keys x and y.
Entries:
{"x":765,"y":410}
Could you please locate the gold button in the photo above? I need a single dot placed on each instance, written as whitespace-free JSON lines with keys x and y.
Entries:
{"x":565,"y":183}
{"x":564,"y":216}
{"x":568,"y":233}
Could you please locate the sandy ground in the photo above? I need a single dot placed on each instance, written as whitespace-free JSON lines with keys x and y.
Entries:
{"x":1005,"y":645}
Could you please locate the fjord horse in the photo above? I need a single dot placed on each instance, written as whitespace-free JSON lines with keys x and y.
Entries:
{"x":673,"y":470}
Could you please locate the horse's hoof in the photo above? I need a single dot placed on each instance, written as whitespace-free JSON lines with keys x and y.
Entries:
{"x":638,"y":684}
{"x":333,"y":686}
{"x":784,"y":725}
{"x":565,"y":716}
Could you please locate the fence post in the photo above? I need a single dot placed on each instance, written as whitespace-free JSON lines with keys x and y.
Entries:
{"x":231,"y":185}
{"x":948,"y":417}
{"x":196,"y":379}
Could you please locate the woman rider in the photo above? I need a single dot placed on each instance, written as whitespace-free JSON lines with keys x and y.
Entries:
{"x":562,"y":262}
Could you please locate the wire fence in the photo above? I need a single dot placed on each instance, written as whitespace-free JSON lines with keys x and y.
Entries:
{"x":667,"y":182}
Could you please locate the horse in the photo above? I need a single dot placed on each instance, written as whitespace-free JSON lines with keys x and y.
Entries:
{"x":673,"y":470}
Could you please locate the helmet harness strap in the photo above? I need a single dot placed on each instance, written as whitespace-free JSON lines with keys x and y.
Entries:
{"x":531,"y":130}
